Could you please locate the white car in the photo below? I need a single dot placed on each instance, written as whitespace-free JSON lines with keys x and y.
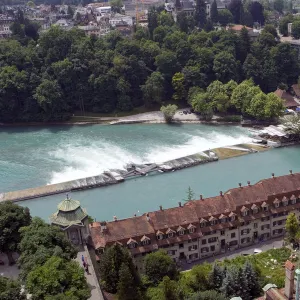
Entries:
{"x":257,"y":251}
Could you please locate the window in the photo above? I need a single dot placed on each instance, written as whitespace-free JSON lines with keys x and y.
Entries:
{"x":204,"y":242}
{"x":232,"y":218}
{"x":212,"y":240}
{"x":255,"y":225}
{"x":171,"y":252}
{"x":194,"y":240}
{"x":181,"y":246}
{"x":192,"y":248}
{"x":276,"y":204}
{"x":192,"y":230}
{"x":181,"y":232}
{"x":170,"y":234}
{"x":255,"y":210}
{"x":145,"y":242}
{"x":285,"y":203}
{"x":245,"y":213}
{"x":213,"y":222}
{"x":233,"y":243}
{"x":245,"y":231}
{"x":222,"y":232}
{"x":232,"y":235}
{"x":245,"y":240}
{"x":132,"y":245}
{"x":265,"y":208}
{"x":160,"y":236}
{"x":202,"y":224}
{"x":193,"y":256}
{"x":204,"y":250}
{"x":293,"y":201}
{"x":223,"y":220}
{"x":212,"y":248}
{"x":265,"y":219}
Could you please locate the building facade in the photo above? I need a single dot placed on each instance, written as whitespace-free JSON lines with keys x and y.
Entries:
{"x":201,"y":228}
{"x":72,"y":219}
{"x":5,"y":23}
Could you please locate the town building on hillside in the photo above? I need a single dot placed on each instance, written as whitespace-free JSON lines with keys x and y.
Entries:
{"x":95,"y":29}
{"x":253,"y":33}
{"x":72,"y":219}
{"x":200,"y":228}
{"x":5,"y":23}
{"x":288,"y":99}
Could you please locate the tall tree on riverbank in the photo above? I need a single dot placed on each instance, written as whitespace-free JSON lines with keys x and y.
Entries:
{"x":12,"y":218}
{"x":200,"y":13}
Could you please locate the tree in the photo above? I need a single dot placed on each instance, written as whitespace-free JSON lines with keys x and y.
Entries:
{"x":159,"y":264}
{"x":116,"y":5}
{"x":251,"y":278}
{"x":256,"y":108}
{"x":291,"y":124}
{"x":12,"y":218}
{"x":225,"y":66}
{"x":178,"y":86}
{"x":225,"y":17}
{"x":110,"y":264}
{"x":58,"y":276}
{"x":200,"y":13}
{"x":182,"y":21}
{"x":270,"y":29}
{"x":257,"y":12}
{"x":208,"y":295}
{"x":189,"y":194}
{"x":166,"y":63}
{"x":153,"y":89}
{"x":283,"y":24}
{"x":278,"y":5}
{"x":274,"y":106}
{"x":127,"y":289}
{"x":10,"y":289}
{"x":169,"y":112}
{"x":236,"y":8}
{"x":296,"y":29}
{"x":170,"y":289}
{"x":201,"y":105}
{"x":152,"y":20}
{"x":291,"y":226}
{"x":214,"y":12}
{"x":244,"y":45}
{"x":216,"y":277}
{"x":39,"y":242}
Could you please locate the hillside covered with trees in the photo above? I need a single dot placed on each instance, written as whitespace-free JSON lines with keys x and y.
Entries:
{"x":47,"y":78}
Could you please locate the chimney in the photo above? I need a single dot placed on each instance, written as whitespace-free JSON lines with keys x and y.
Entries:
{"x":115,"y":218}
{"x":201,"y":197}
{"x":147,"y":217}
{"x":248,"y":183}
{"x":240,"y":185}
{"x":273,"y":175}
{"x":291,"y":172}
{"x":179,"y":203}
{"x":160,"y":207}
{"x":221,"y":193}
{"x":289,"y":279}
{"x":103,"y":226}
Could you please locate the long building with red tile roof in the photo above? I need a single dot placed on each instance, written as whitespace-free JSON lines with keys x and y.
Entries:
{"x":199,"y":228}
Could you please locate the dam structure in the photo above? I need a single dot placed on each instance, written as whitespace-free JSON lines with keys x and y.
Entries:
{"x":115,"y":176}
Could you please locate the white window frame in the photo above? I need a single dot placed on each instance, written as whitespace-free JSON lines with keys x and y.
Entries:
{"x":276,"y":204}
{"x":159,"y":236}
{"x":132,"y":245}
{"x":170,"y":234}
{"x":294,"y":201}
{"x":181,"y":232}
{"x":285,"y":203}
{"x":145,"y":242}
{"x":245,"y":213}
{"x":192,"y":230}
{"x":193,"y":247}
{"x":213,"y":222}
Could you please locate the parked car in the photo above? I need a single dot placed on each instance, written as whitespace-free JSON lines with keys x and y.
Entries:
{"x":257,"y":251}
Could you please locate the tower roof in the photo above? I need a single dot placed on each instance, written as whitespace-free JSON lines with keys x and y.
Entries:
{"x":69,"y":213}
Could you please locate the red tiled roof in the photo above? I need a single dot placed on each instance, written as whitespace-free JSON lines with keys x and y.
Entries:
{"x":296,"y":89}
{"x":267,"y":190}
{"x":286,"y":97}
{"x":239,"y":27}
{"x":289,"y":265}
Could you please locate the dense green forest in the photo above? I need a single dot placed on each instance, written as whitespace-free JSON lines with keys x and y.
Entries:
{"x":49,"y":77}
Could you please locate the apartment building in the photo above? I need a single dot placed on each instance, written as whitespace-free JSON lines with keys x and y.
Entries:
{"x":5,"y":23}
{"x":200,"y":228}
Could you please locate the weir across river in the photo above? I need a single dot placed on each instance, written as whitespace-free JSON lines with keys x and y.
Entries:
{"x":133,"y":170}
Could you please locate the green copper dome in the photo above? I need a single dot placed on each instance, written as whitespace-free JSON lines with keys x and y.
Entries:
{"x":69,"y":213}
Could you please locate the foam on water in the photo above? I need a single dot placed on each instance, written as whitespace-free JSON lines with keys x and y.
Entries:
{"x":83,"y":158}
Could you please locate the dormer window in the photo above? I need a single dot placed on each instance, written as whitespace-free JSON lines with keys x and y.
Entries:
{"x":159,"y":235}
{"x":293,"y":199}
{"x":265,"y":206}
{"x":181,"y":232}
{"x":145,"y":240}
{"x":244,"y":211}
{"x":170,"y":232}
{"x":232,"y":218}
{"x":254,"y":209}
{"x":203,"y":222}
{"x":212,"y":220}
{"x":285,"y":201}
{"x":131,"y":243}
{"x":223,"y":218}
{"x":191,"y":228}
{"x":276,"y":203}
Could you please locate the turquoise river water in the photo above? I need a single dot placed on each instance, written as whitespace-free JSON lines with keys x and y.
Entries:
{"x":35,"y":156}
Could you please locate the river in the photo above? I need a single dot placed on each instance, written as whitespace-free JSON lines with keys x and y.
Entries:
{"x":36,"y":156}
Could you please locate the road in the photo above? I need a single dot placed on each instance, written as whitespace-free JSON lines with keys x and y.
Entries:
{"x":264,"y":246}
